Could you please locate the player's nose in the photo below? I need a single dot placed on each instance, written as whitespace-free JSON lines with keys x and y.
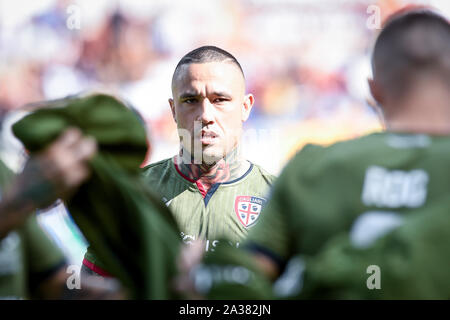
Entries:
{"x":207,"y":112}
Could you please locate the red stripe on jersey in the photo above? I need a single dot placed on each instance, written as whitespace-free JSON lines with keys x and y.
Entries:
{"x":181,"y":174}
{"x":96,"y":269}
{"x":198,"y":183}
{"x":201,"y":189}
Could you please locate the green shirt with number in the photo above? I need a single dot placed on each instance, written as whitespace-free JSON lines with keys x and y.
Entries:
{"x":362,"y":188}
{"x":410,"y":262}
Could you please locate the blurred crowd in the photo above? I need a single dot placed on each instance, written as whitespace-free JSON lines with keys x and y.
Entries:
{"x":305,"y":61}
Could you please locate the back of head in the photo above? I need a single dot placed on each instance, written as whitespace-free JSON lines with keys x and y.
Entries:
{"x":207,"y":54}
{"x":413,"y":45}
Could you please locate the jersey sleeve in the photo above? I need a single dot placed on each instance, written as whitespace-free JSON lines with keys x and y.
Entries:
{"x":42,"y":256}
{"x":280,"y":222}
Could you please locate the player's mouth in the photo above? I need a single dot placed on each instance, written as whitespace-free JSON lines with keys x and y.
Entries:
{"x":208,"y":137}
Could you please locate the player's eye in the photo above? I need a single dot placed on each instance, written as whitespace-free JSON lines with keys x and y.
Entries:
{"x":220,"y":100}
{"x":189,"y":100}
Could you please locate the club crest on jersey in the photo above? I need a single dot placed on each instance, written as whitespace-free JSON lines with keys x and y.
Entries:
{"x":248,"y":209}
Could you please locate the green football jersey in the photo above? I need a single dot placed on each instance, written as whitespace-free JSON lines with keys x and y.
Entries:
{"x":27,"y":255}
{"x":361,"y":188}
{"x":411,"y":262}
{"x":227,"y":211}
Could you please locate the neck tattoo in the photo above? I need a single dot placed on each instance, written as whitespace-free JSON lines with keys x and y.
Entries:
{"x":226,"y":169}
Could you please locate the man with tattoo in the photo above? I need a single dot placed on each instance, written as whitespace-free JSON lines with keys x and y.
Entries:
{"x":212,"y":191}
{"x":366,"y":218}
{"x":31,"y":266}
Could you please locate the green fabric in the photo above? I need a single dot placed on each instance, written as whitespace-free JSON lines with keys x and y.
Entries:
{"x":412,"y":260}
{"x":6,"y":175}
{"x":320,"y":193}
{"x":130,"y":230}
{"x":24,"y":254}
{"x":212,"y":220}
{"x":324,"y":193}
{"x":230,"y":273}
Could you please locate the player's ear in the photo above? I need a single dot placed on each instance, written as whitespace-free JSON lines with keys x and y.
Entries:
{"x":249,"y":100}
{"x":376,"y":102}
{"x":375,"y":90}
{"x":172,"y":108}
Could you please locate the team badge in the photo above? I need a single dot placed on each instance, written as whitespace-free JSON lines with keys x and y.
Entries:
{"x":248,"y":209}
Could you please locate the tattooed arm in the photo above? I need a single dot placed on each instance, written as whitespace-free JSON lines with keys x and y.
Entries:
{"x":54,"y":173}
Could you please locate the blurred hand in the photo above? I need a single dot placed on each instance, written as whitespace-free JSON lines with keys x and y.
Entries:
{"x":54,"y":173}
{"x":190,"y":257}
{"x":91,"y":288}
{"x":58,"y":170}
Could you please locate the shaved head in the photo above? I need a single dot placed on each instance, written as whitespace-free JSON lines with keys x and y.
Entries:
{"x":209,"y":103}
{"x":411,"y":46}
{"x":206,"y":54}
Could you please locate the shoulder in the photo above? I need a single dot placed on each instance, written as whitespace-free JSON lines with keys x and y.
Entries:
{"x":315,"y":159}
{"x":159,"y":166}
{"x":269,"y":178}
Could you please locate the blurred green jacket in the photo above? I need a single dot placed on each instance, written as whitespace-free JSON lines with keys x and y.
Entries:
{"x":131,"y":231}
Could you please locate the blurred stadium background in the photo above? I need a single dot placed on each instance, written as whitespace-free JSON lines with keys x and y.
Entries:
{"x":306,"y":62}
